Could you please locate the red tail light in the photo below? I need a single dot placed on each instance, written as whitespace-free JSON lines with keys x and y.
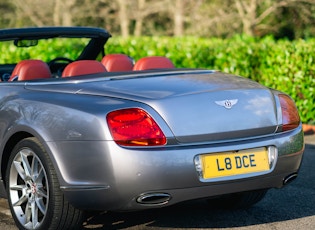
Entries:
{"x":134,"y":127}
{"x":290,"y":115}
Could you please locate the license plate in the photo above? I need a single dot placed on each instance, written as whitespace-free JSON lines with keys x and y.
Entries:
{"x":235,"y":163}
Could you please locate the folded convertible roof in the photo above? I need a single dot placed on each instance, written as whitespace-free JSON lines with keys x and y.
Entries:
{"x":50,"y":32}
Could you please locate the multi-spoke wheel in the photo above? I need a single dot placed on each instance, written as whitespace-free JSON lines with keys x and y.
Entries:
{"x":34,"y":194}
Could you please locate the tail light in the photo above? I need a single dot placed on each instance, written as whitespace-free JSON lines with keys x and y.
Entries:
{"x":290,"y":115}
{"x":134,"y":127}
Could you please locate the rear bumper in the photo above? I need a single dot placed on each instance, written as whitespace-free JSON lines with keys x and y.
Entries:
{"x":106,"y":199}
{"x":103,"y":176}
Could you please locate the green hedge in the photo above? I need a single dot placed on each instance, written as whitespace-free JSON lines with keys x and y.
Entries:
{"x":44,"y":50}
{"x":283,"y":65}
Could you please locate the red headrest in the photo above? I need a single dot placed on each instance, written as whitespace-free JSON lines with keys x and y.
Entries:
{"x":117,"y":62}
{"x":83,"y":67}
{"x":30,"y":70}
{"x":154,"y":62}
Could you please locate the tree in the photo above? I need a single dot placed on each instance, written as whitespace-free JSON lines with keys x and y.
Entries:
{"x":139,"y":17}
{"x":289,"y":18}
{"x":39,"y":13}
{"x":254,"y":14}
{"x":32,"y":12}
{"x":62,"y":12}
{"x":147,"y":13}
{"x":179,"y":17}
{"x":6,"y":11}
{"x":123,"y":17}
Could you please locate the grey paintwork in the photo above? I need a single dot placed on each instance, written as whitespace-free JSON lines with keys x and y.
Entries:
{"x":69,"y":117}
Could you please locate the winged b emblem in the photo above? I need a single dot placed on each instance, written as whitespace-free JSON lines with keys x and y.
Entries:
{"x":227,"y":103}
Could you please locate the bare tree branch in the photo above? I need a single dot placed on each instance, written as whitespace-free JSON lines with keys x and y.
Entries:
{"x":27,"y":8}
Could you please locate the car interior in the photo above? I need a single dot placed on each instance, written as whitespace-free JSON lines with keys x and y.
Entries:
{"x":34,"y":69}
{"x":89,"y":53}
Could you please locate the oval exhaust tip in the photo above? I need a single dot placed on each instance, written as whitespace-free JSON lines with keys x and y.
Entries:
{"x":154,"y":199}
{"x":289,"y":178}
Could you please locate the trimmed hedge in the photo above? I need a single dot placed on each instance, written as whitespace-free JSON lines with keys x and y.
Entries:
{"x":283,"y":65}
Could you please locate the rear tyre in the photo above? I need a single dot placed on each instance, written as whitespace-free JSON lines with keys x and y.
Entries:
{"x":34,"y":194}
{"x":242,"y":200}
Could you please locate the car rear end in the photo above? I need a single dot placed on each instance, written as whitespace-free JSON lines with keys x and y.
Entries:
{"x":170,"y":137}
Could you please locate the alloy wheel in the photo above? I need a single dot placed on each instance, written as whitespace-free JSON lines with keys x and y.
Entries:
{"x":28,"y":189}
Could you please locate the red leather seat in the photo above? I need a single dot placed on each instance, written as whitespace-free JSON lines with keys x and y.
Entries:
{"x":30,"y":70}
{"x":83,"y":67}
{"x":117,"y":62}
{"x":153,"y":62}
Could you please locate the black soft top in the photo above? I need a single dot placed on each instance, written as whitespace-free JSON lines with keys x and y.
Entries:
{"x":51,"y":32}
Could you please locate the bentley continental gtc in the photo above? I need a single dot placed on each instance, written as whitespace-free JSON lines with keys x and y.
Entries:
{"x":82,"y":129}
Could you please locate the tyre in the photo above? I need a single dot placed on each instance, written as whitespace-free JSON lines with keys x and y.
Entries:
{"x":34,"y":194}
{"x":242,"y":200}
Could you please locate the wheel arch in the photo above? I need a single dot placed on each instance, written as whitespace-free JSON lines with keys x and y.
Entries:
{"x":58,"y":213}
{"x":8,"y":147}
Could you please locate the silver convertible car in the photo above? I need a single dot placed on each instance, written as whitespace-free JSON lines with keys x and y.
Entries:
{"x":102,"y":132}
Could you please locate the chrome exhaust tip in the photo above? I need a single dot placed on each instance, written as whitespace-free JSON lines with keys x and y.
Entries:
{"x":289,"y":178}
{"x":154,"y":199}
